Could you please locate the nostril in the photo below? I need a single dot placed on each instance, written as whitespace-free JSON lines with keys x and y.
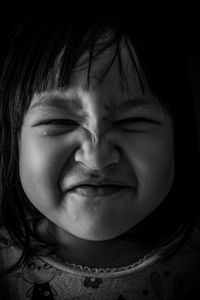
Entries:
{"x":95,"y":157}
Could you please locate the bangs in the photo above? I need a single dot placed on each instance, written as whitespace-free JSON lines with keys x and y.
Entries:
{"x":52,"y":53}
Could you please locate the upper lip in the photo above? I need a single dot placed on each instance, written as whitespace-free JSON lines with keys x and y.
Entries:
{"x":97,"y":183}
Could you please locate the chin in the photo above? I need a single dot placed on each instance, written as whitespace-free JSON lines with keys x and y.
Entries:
{"x":100,"y":233}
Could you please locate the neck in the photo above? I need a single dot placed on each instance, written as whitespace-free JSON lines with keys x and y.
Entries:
{"x":117,"y":252}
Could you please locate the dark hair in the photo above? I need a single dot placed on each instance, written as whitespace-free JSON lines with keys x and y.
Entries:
{"x":43,"y":54}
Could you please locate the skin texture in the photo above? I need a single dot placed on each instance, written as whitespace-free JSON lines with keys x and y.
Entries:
{"x":137,"y":153}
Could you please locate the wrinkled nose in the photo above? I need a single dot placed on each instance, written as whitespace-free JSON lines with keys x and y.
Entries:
{"x":96,"y":153}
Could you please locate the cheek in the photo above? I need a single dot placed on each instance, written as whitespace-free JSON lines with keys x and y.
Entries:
{"x":40,"y":164}
{"x":152,"y":158}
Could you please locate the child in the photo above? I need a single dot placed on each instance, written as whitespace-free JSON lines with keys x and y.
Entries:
{"x":99,"y":160}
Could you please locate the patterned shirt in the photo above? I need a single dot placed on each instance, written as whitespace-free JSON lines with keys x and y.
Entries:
{"x":150,"y":279}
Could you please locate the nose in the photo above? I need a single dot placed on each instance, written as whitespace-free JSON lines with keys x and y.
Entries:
{"x":97,"y":153}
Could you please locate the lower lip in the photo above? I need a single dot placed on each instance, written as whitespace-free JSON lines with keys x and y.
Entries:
{"x":99,"y":191}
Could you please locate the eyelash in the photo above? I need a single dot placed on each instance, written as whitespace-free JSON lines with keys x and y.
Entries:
{"x":139,"y":120}
{"x":63,"y":122}
{"x":60,"y":121}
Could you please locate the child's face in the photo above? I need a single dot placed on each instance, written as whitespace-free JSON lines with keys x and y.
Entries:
{"x":137,"y":153}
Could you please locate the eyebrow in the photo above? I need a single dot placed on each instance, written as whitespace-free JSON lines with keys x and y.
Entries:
{"x":137,"y":102}
{"x":58,"y":102}
{"x":74,"y":104}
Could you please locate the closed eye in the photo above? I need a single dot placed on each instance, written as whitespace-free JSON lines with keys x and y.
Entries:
{"x":60,"y":122}
{"x":139,"y":120}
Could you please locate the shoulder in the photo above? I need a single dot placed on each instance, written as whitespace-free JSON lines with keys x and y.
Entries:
{"x":5,"y":239}
{"x":9,"y":252}
{"x":193,"y":241}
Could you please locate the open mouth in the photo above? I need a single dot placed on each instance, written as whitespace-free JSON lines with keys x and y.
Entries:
{"x":101,"y":190}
